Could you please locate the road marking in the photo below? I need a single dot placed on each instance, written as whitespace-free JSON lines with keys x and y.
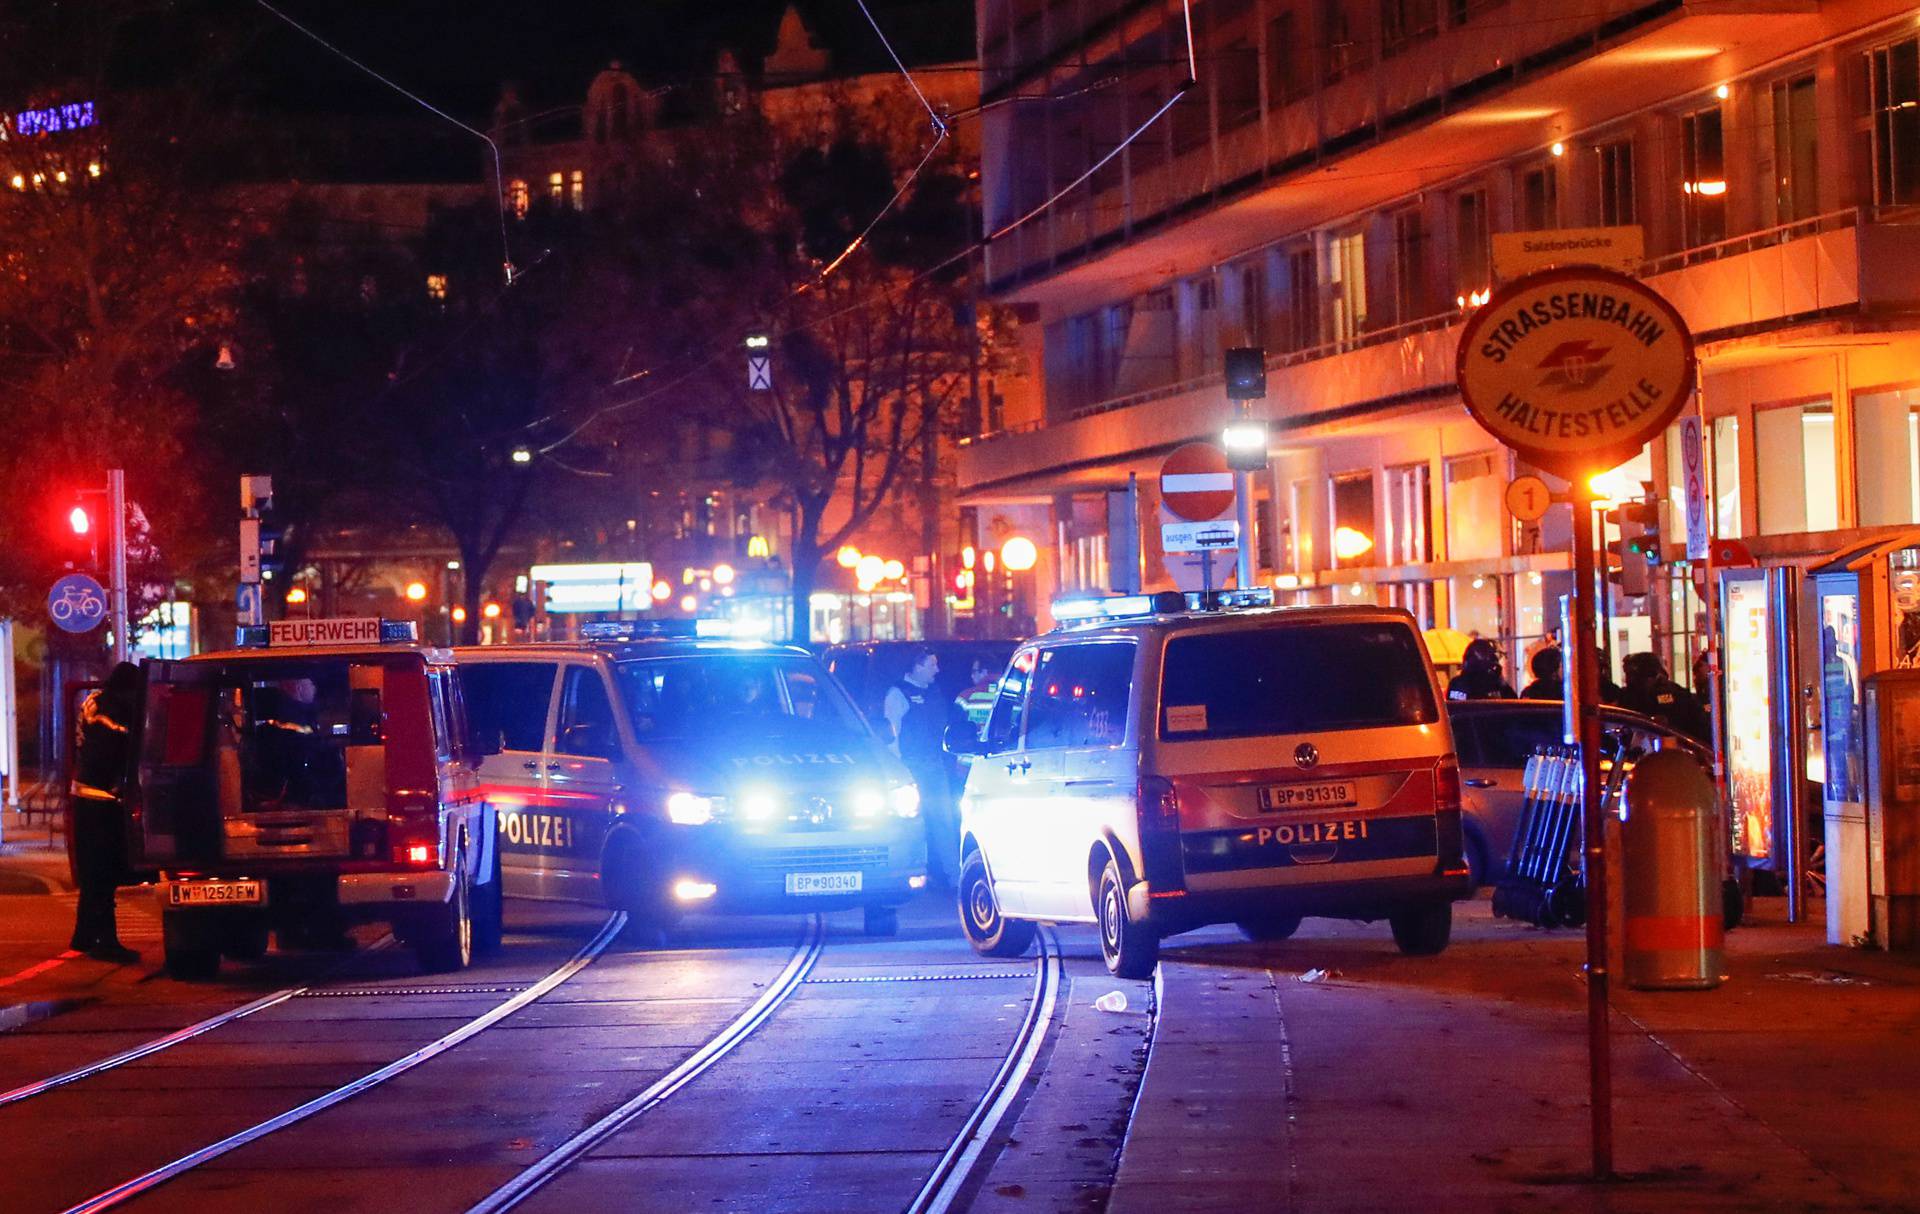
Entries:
{"x":719,"y":1046}
{"x":956,"y":1168}
{"x":433,"y":1049}
{"x":39,"y":968}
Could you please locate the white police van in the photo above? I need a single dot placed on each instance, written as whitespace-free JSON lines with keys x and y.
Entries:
{"x":1151,"y":767}
{"x":658,"y":770}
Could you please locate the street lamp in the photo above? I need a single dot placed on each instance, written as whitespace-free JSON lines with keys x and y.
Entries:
{"x":1018,"y":554}
{"x":416,"y":592}
{"x":522,"y":455}
{"x":847,"y":557}
{"x":1246,"y":444}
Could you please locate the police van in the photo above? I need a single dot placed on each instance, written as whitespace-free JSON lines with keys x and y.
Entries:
{"x":1151,"y":767}
{"x":320,"y":777}
{"x":661,"y":768}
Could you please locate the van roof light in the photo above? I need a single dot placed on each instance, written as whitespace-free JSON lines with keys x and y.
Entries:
{"x":306,"y":634}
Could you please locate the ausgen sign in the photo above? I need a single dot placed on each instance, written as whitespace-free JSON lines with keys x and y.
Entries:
{"x":1576,"y":368}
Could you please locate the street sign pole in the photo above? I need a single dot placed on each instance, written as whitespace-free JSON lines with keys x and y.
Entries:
{"x":1586,"y":698}
{"x":117,"y":542}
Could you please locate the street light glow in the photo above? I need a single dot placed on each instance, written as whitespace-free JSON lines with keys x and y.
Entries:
{"x":416,"y":592}
{"x":522,"y":456}
{"x":296,"y":596}
{"x":491,"y":611}
{"x":723,"y":574}
{"x":848,"y":557}
{"x":1019,"y":554}
{"x":1350,"y":543}
{"x":662,"y":591}
{"x":894,"y":571}
{"x":1245,"y":436}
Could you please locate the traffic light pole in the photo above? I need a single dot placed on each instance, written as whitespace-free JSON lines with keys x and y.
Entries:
{"x":117,"y":545}
{"x":1586,"y":696}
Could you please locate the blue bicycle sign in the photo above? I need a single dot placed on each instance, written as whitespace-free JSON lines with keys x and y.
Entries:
{"x":77,"y":603}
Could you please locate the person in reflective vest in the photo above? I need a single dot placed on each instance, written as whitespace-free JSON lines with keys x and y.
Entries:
{"x":101,"y":754}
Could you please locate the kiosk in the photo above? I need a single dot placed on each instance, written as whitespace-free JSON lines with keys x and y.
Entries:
{"x":1866,"y":614}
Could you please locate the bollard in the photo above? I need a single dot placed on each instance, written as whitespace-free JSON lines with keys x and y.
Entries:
{"x":1674,"y":925}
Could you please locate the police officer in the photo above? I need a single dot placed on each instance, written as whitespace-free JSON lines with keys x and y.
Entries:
{"x":918,"y":715}
{"x":97,"y":819}
{"x":1548,"y":670}
{"x":1480,"y":677}
{"x":1651,"y":693}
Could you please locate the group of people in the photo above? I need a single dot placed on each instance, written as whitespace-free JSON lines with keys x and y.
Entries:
{"x":1648,"y":690}
{"x":918,"y":716}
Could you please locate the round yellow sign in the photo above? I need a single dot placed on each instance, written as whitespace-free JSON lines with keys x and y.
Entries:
{"x":1575,"y":368}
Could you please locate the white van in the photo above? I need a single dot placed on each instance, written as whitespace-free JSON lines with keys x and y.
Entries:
{"x":1152,"y":768}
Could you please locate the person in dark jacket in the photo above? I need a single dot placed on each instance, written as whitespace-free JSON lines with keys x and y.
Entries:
{"x":97,"y":819}
{"x":1651,"y":693}
{"x":919,"y":715}
{"x":1548,"y":670}
{"x":1480,"y":677}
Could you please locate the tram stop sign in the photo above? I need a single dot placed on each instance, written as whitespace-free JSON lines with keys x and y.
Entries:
{"x":1576,"y":368}
{"x":1195,"y":482}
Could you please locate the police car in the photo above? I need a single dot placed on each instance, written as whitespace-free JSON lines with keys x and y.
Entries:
{"x":1151,"y":767}
{"x":660,"y":769}
{"x":319,"y":777}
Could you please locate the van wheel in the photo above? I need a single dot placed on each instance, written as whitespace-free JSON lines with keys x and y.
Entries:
{"x":444,"y":942}
{"x":990,"y":933}
{"x":489,"y":910}
{"x":1269,"y":927}
{"x":629,"y":882}
{"x":186,"y":952}
{"x":1130,"y":949}
{"x":1423,"y":931}
{"x":881,"y":921}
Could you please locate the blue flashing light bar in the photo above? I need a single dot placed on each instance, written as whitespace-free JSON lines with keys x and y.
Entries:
{"x":1083,"y":608}
{"x":1112,"y":607}
{"x":633,"y":630}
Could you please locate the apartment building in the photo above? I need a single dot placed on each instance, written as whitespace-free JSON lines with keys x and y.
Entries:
{"x":1328,"y":187}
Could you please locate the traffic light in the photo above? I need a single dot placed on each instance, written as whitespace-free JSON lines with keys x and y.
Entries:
{"x":79,"y":537}
{"x":1638,"y":547}
{"x":273,"y":548}
{"x":1246,"y":373}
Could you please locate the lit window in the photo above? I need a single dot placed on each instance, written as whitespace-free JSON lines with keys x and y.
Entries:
{"x":518,"y":197}
{"x":556,"y":186}
{"x":437,"y":286}
{"x":577,"y":194}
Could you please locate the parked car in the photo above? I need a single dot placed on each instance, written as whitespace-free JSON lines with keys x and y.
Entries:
{"x":1495,"y":737}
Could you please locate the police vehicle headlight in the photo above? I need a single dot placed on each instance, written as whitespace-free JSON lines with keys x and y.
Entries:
{"x":868,"y":803}
{"x":759,"y":806}
{"x":689,"y":809}
{"x":905,"y":799}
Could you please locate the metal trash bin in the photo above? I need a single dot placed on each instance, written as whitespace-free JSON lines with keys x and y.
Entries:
{"x":1674,"y":924}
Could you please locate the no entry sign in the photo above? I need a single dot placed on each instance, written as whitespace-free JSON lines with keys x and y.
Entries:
{"x":1576,"y":368}
{"x":1195,"y":482}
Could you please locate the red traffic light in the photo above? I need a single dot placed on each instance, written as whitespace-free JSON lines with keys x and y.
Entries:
{"x":80,"y":520}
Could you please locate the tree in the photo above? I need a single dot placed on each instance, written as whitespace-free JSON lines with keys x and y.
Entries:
{"x":756,"y":224}
{"x":118,"y":279}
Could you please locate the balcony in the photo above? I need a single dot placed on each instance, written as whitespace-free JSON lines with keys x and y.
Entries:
{"x":1847,"y":263}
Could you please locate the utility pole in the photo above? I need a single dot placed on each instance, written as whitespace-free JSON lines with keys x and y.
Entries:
{"x":117,"y":558}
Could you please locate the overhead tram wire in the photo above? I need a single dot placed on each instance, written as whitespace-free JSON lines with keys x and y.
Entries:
{"x":969,"y":250}
{"x":499,"y":181}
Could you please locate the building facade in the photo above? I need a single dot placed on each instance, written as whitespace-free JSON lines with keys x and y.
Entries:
{"x":1327,"y":181}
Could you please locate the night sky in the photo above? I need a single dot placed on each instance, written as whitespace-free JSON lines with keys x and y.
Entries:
{"x":457,"y":52}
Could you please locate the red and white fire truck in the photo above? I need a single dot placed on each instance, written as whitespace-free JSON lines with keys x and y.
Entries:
{"x":319,"y":778}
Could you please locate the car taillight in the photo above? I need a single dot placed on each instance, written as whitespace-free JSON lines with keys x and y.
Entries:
{"x":415,"y":839}
{"x":1159,"y":806}
{"x":1446,"y":784}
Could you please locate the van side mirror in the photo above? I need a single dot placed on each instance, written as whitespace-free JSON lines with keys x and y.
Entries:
{"x":964,"y":741}
{"x":482,"y":743}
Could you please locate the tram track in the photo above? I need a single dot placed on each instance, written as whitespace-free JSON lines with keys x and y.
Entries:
{"x":961,"y":1165}
{"x":147,"y":1181}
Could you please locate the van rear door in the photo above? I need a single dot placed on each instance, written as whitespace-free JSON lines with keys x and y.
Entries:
{"x":1294,"y":745}
{"x":173,"y":817}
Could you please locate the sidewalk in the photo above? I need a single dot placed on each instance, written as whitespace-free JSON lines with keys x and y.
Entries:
{"x":36,"y":921}
{"x":1460,"y":1082}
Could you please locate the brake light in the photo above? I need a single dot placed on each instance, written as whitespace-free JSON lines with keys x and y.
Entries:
{"x":415,"y":838}
{"x":1446,"y":784}
{"x":419,"y":853}
{"x":1158,"y":805}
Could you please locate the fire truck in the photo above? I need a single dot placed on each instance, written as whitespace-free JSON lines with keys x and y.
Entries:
{"x":319,"y":776}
